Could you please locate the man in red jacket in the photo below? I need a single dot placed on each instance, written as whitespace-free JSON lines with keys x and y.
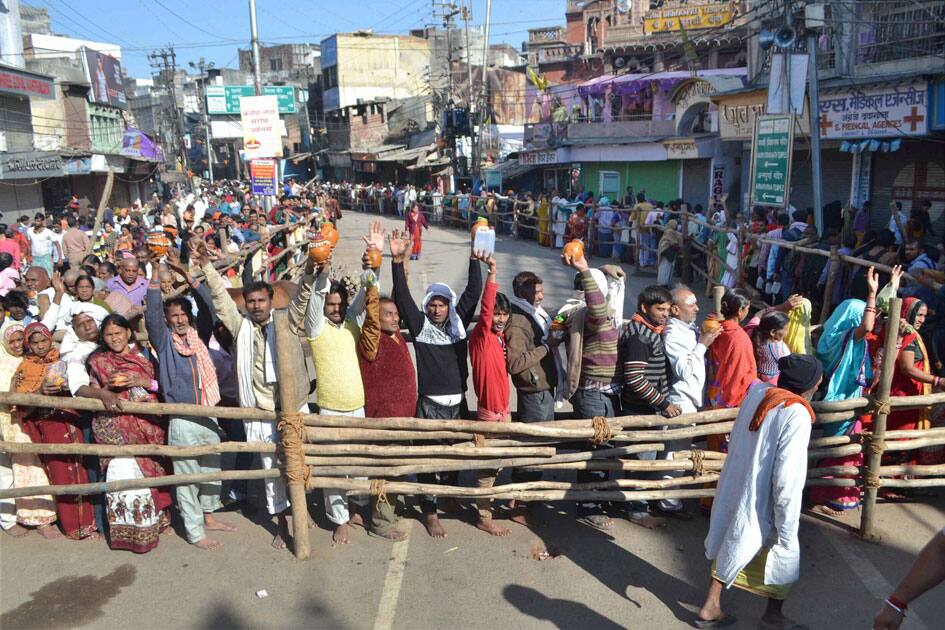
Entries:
{"x":390,"y":385}
{"x":490,"y":378}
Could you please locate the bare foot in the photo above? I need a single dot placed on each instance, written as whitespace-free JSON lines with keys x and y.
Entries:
{"x":490,"y":527}
{"x":433,"y":525}
{"x":92,"y":536}
{"x":213,"y":525}
{"x":17,"y":531}
{"x":49,"y":532}
{"x":391,"y":534}
{"x":649,"y":522}
{"x":340,"y":537}
{"x":282,"y":532}
{"x":356,"y":519}
{"x":207,"y":544}
{"x":311,"y":522}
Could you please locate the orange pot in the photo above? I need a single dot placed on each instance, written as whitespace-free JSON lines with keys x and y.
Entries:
{"x":330,"y":233}
{"x":374,"y":257}
{"x":574,"y":249}
{"x":319,"y":250}
{"x":711,"y":325}
{"x":158,"y":244}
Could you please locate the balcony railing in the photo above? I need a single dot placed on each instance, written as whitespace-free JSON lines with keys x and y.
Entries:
{"x":545,"y":35}
{"x":556,"y":53}
{"x":901,"y":30}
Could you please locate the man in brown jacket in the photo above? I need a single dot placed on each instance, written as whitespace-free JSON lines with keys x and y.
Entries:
{"x":531,"y":362}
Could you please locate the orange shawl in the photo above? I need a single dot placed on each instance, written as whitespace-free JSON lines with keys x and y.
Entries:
{"x":773,"y":397}
{"x":733,"y":359}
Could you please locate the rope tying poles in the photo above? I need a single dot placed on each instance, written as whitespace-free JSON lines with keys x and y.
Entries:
{"x":602,"y":431}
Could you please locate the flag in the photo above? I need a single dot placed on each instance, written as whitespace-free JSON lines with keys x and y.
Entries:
{"x":537,"y":80}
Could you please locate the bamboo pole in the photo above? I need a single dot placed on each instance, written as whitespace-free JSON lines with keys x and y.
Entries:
{"x":837,"y":451}
{"x":909,"y":469}
{"x":138,"y":484}
{"x":355,"y":434}
{"x":912,"y":483}
{"x":138,"y":450}
{"x":877,"y":440}
{"x":686,"y":255}
{"x":430,"y":451}
{"x":100,"y":211}
{"x":831,"y":280}
{"x":292,"y":442}
{"x":910,"y":445}
{"x":163,"y":409}
{"x":717,"y":292}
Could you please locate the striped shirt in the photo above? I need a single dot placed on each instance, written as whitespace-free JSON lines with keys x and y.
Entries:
{"x":599,"y":355}
{"x":645,"y":370}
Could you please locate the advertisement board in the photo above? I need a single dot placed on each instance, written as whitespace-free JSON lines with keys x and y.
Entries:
{"x":260,"y":118}
{"x":262,"y":172}
{"x":105,"y":77}
{"x":691,"y":17}
{"x":882,"y":111}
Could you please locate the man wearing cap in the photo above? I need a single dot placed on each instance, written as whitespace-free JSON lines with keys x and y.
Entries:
{"x":752,"y":537}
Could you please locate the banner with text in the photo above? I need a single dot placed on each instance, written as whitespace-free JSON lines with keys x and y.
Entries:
{"x":263,"y":174}
{"x":875,"y":112}
{"x":260,"y":118}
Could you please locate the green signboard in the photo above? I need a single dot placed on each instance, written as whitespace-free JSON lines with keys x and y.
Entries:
{"x":771,"y":149}
{"x":226,"y":99}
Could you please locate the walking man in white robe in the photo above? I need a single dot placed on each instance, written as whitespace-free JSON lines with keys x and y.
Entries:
{"x":753,"y":529}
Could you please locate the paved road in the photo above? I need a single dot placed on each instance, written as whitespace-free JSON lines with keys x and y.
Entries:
{"x":630,"y":577}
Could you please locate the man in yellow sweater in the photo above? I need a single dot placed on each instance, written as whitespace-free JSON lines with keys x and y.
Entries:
{"x":333,"y":329}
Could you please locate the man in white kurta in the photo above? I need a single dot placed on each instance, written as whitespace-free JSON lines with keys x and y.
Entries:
{"x":753,"y":529}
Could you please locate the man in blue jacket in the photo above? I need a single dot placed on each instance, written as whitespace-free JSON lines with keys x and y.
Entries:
{"x":187,"y":375}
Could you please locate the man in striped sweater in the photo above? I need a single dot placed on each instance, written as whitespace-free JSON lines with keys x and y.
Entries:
{"x":646,"y":375}
{"x":598,"y":388}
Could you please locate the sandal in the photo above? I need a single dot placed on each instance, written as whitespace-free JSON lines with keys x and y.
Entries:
{"x":597,"y":521}
{"x":724,"y":620}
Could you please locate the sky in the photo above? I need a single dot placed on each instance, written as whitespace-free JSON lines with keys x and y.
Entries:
{"x":214,"y":29}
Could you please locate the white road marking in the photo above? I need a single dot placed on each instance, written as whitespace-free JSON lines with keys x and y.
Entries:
{"x":871,"y":577}
{"x":387,"y":607}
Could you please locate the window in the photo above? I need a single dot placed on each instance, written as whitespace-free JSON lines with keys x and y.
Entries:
{"x":275,"y":64}
{"x":609,"y":185}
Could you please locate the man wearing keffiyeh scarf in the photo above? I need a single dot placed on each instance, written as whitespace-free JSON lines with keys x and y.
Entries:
{"x":187,"y":375}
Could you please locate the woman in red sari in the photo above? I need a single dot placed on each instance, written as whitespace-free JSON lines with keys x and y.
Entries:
{"x":416,"y":223}
{"x":41,"y":372}
{"x":136,"y":518}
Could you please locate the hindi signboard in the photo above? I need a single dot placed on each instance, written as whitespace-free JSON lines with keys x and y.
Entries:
{"x":225,"y":99}
{"x":263,"y":175}
{"x":771,"y":149}
{"x":260,"y":118}
{"x":690,"y":17}
{"x":885,"y":111}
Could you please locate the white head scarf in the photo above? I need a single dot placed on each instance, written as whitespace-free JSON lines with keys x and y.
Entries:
{"x":438,"y":289}
{"x":613,"y":290}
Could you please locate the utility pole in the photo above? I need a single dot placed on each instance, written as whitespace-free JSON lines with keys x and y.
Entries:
{"x":448,"y":10}
{"x":204,"y":68}
{"x":482,"y":108}
{"x":254,"y":35}
{"x":165,"y":62}
{"x":813,"y":21}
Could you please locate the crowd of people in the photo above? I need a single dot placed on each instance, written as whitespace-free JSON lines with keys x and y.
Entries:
{"x":77,"y":303}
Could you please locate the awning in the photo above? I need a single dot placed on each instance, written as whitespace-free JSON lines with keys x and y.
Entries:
{"x":407,"y":155}
{"x":511,"y":169}
{"x":375,"y":154}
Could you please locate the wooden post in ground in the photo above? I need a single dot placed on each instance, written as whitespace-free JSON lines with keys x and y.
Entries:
{"x":100,"y":212}
{"x":292,"y":432}
{"x":831,"y":279}
{"x":717,"y":292}
{"x":740,"y":258}
{"x":686,"y":258}
{"x":877,"y":442}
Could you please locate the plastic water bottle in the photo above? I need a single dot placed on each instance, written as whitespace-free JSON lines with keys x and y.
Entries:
{"x":484,"y":240}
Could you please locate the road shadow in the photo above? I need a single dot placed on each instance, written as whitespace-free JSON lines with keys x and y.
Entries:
{"x":563,"y":613}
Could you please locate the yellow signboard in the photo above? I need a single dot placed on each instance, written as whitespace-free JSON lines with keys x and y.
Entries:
{"x":689,"y":17}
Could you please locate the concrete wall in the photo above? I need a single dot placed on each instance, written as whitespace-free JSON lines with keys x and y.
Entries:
{"x":660,"y":180}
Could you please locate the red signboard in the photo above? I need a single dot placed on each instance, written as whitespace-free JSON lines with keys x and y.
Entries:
{"x":25,"y":84}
